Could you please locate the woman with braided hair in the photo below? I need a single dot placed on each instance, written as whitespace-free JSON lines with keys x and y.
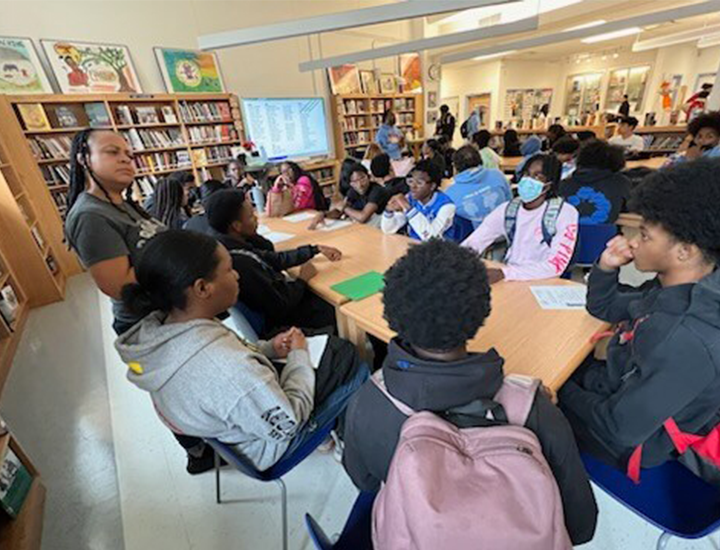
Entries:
{"x":171,"y":198}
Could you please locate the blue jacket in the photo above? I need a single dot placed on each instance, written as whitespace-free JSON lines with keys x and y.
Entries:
{"x":473,"y":124}
{"x":383,"y":140}
{"x":477,"y":192}
{"x":531,"y":147}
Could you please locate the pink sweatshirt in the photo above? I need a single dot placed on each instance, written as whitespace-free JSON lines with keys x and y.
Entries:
{"x":302,"y":194}
{"x":528,"y":257}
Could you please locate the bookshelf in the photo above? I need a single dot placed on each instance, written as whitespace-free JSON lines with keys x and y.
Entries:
{"x":11,"y":331}
{"x":357,"y":117}
{"x":662,"y":140}
{"x":167,"y":132}
{"x":25,"y":531}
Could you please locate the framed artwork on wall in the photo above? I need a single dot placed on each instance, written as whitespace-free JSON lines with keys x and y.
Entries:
{"x":369,"y":83}
{"x":432,"y":100}
{"x":344,"y":80}
{"x":91,"y":68}
{"x":20,"y":69}
{"x":388,"y":84}
{"x":189,"y":71}
{"x":411,"y":72}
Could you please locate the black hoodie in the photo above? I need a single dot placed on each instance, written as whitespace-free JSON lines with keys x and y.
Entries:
{"x":373,"y":424}
{"x":599,"y":195}
{"x":669,"y":368}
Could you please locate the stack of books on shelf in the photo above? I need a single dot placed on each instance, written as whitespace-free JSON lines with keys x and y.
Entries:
{"x":353,"y":123}
{"x":57,"y":147}
{"x":56,"y":174}
{"x":209,"y":111}
{"x":663,"y":142}
{"x":154,"y":139}
{"x":217,"y":154}
{"x":354,"y":106}
{"x":167,"y":160}
{"x":212,"y":134}
{"x":405,"y":104}
{"x":356,"y":138}
{"x":127,"y":115}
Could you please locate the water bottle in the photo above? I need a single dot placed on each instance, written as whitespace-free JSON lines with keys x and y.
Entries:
{"x":258,"y":198}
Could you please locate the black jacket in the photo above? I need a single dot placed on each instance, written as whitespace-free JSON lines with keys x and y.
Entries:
{"x":670,"y":368}
{"x":599,"y":195}
{"x":373,"y":424}
{"x":263,"y":285}
{"x":445,"y":126}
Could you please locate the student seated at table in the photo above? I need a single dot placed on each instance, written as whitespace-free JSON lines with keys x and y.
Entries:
{"x":663,"y":361}
{"x":425,"y":210}
{"x":554,"y":133}
{"x":436,"y":298}
{"x":490,"y":159}
{"x":207,"y":382}
{"x":384,"y":174}
{"x":170,"y":203}
{"x":626,"y":137}
{"x":476,"y":190}
{"x":531,"y":147}
{"x":597,"y":188}
{"x":266,"y":289}
{"x":539,"y":228}
{"x":187,"y":182}
{"x":306,"y":191}
{"x":566,"y":150}
{"x":364,"y":202}
{"x":431,"y":150}
{"x":511,"y":144}
{"x":199,"y":223}
{"x":704,"y":132}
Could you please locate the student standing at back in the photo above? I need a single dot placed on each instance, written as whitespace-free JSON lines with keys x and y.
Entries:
{"x":476,"y":190}
{"x":539,"y":228}
{"x":436,"y":298}
{"x":426,"y":211}
{"x":597,"y":188}
{"x":626,"y":137}
{"x":390,"y":138}
{"x":445,"y":125}
{"x":624,"y":109}
{"x":662,"y":374}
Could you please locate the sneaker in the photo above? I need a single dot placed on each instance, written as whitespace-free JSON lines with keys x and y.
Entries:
{"x":201,"y":464}
{"x":326,"y":446}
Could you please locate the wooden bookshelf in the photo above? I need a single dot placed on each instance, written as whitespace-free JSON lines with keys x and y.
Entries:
{"x":663,"y":140}
{"x":164,"y":130}
{"x":601,"y":131}
{"x":25,"y":531}
{"x":357,"y":117}
{"x":10,"y":333}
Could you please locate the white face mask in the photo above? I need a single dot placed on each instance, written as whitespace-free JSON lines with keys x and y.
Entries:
{"x":530,"y":189}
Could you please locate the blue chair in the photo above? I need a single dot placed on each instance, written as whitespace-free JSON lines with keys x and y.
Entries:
{"x":591,"y":242}
{"x":255,"y":318}
{"x":273,"y":473}
{"x":357,"y":533}
{"x":670,"y":497}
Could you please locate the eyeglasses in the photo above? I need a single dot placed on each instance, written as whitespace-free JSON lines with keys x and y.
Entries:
{"x":358,"y":179}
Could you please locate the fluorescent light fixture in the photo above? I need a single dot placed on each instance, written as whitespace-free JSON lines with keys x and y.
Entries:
{"x":508,"y":13}
{"x":493,"y":55}
{"x":675,"y":38}
{"x":545,"y":39}
{"x":386,"y":13}
{"x":524,"y":25}
{"x":708,"y":41}
{"x":586,"y":25}
{"x":612,"y":35}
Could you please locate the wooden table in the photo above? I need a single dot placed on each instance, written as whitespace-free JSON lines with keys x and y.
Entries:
{"x":509,"y":164}
{"x":545,"y":344}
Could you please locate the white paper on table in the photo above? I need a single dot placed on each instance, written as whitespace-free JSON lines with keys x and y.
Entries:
{"x":299,"y":217}
{"x":277,"y":237}
{"x":332,"y":225}
{"x":316,"y":348}
{"x":263,"y":230}
{"x":560,"y":297}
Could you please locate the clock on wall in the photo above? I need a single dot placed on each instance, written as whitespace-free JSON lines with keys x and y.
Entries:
{"x":434,"y":72}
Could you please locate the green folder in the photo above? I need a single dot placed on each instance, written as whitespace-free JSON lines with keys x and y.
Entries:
{"x":360,"y":287}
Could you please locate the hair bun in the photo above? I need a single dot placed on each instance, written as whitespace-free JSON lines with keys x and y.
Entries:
{"x":138,"y":300}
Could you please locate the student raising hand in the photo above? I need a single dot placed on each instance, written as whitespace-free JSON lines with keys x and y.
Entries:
{"x":617,"y":254}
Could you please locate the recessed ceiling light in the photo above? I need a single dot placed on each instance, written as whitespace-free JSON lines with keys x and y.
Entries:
{"x":612,"y":35}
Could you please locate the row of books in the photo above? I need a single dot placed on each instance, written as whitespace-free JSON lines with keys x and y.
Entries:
{"x":205,"y":111}
{"x":404,"y":104}
{"x":354,"y":106}
{"x":353,"y":123}
{"x":56,"y":174}
{"x":665,"y":142}
{"x":405,"y":119}
{"x":145,"y":114}
{"x":324,"y":174}
{"x":212,"y":155}
{"x":140,"y":139}
{"x":36,"y":117}
{"x":210,"y":134}
{"x":356,"y":138}
{"x":61,"y":203}
{"x":56,"y":147}
{"x":145,"y":185}
{"x":167,"y":160}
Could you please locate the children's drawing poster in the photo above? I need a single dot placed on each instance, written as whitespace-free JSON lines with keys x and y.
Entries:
{"x":89,"y":68}
{"x":411,"y":72}
{"x":20,"y":68}
{"x":190,"y":71}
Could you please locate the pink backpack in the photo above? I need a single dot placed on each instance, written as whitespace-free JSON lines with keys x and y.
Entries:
{"x":471,"y":488}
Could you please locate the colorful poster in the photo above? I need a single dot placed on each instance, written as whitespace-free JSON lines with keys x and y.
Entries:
{"x":86,"y":68}
{"x":344,"y":80}
{"x":411,"y":72}
{"x":189,"y":71}
{"x":20,"y":68}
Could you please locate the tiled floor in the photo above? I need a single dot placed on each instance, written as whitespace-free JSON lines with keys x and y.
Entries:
{"x":116,"y":477}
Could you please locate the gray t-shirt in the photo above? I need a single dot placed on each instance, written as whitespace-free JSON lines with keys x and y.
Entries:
{"x":100,"y":231}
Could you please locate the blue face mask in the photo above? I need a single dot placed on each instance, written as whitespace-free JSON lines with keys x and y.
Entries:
{"x":530,"y":189}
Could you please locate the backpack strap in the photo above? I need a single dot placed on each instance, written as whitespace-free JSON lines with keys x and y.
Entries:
{"x":379,"y":380}
{"x":550,"y":217}
{"x":517,"y":396}
{"x":511,"y":213}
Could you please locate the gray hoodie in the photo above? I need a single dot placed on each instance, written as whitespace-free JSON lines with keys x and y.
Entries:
{"x":207,"y":382}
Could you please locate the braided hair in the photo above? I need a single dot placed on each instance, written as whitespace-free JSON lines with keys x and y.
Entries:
{"x":80,"y":171}
{"x":168,"y":205}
